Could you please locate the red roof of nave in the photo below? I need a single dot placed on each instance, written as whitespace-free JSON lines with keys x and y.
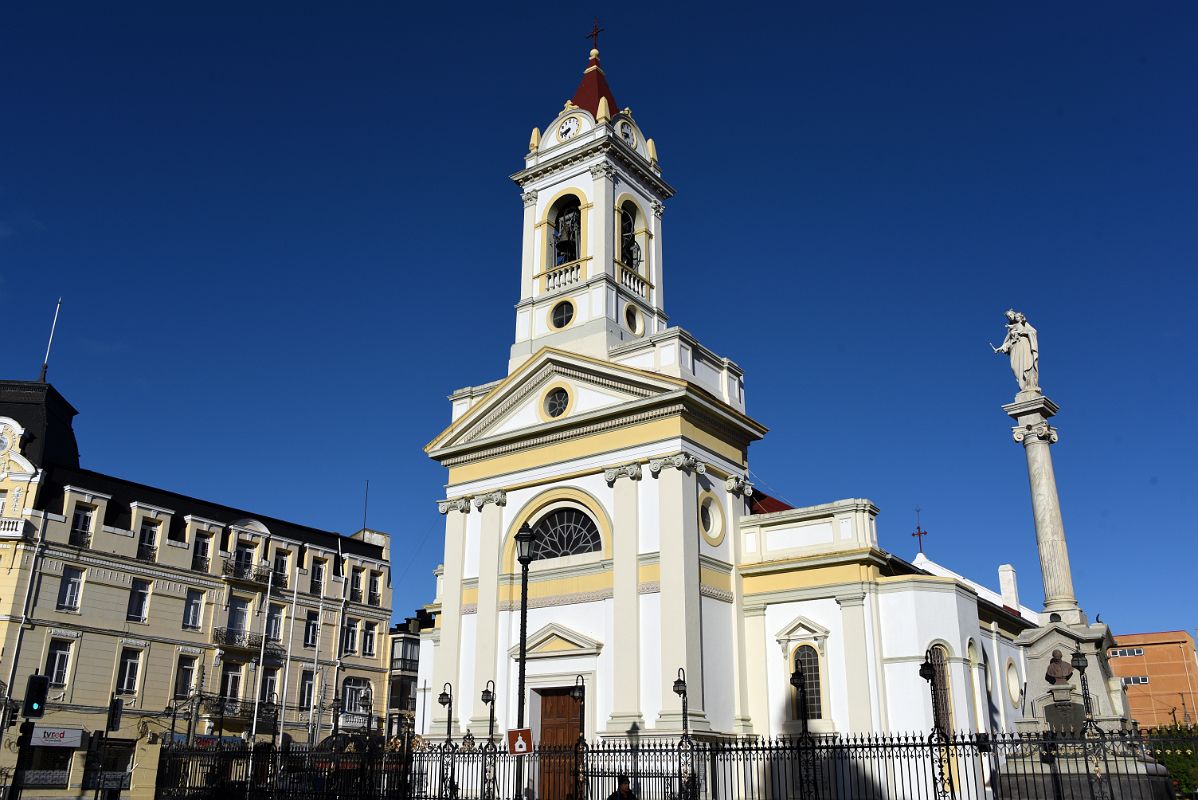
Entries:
{"x":593,"y":86}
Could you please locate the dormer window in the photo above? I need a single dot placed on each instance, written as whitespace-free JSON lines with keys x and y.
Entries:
{"x":630,"y":249}
{"x":565,"y":231}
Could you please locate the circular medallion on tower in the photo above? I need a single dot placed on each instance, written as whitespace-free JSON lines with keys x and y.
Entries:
{"x":556,"y":403}
{"x":711,"y":519}
{"x":562,"y":314}
{"x":633,"y":320}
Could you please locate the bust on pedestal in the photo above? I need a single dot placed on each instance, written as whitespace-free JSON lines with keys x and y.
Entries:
{"x":1064,"y":628}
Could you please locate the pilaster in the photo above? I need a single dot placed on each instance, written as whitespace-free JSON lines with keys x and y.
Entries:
{"x":445,"y":670}
{"x":486,"y":630}
{"x":528,"y":250}
{"x":603,"y":202}
{"x":626,"y":701}
{"x":757,"y":671}
{"x":856,"y":662}
{"x":681,"y":611}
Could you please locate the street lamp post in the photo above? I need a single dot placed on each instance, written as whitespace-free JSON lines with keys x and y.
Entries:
{"x":579,"y":693}
{"x":524,"y":541}
{"x":927,"y":671}
{"x":445,"y":699}
{"x":680,"y":690}
{"x":1078,"y":662}
{"x":686,"y":761}
{"x":800,"y":685}
{"x":488,"y":698}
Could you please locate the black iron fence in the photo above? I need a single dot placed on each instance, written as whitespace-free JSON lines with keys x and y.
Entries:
{"x":874,"y":767}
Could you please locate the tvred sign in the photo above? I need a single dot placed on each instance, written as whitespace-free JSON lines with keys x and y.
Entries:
{"x":519,"y":741}
{"x":46,"y":736}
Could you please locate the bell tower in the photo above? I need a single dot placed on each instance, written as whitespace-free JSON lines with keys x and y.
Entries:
{"x":591,"y":264}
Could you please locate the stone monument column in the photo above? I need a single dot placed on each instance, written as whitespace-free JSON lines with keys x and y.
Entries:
{"x":1031,"y":412}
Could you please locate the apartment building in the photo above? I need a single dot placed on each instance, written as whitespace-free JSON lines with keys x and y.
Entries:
{"x":208,"y":621}
{"x":405,"y":663}
{"x":1160,"y":673}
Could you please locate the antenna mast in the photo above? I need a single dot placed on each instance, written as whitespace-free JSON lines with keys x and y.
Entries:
{"x":365,"y":503}
{"x":53,"y":326}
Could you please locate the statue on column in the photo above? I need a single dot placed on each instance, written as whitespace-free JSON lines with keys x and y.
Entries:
{"x":1024,"y":349}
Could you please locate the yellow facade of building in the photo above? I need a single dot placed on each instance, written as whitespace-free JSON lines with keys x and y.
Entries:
{"x":199,"y":617}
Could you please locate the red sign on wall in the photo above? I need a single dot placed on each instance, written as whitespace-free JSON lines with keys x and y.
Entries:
{"x":519,"y":741}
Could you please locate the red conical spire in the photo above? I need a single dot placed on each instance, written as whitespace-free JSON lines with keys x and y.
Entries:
{"x":593,"y":85}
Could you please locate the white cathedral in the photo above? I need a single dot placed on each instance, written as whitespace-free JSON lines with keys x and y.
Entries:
{"x":623,"y":442}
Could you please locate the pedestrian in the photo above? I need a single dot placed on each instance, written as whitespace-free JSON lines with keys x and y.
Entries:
{"x":623,"y":790}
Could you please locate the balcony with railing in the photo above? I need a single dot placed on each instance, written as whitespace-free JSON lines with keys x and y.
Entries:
{"x":405,"y":664}
{"x":146,"y":552}
{"x":46,"y":778}
{"x":200,"y":563}
{"x":246,"y":571}
{"x":561,"y":276}
{"x":240,"y":709}
{"x":241,"y":639}
{"x":633,"y":282}
{"x":375,"y":599}
{"x":279,"y":579}
{"x":354,"y":720}
{"x":15,"y":528}
{"x":355,"y":595}
{"x":80,"y":537}
{"x":106,"y":779}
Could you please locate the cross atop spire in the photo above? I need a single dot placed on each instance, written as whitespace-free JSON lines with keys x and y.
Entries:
{"x":919,"y":531}
{"x":594,"y":35}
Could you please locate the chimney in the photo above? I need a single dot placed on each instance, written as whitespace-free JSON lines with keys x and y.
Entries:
{"x":1010,"y":589}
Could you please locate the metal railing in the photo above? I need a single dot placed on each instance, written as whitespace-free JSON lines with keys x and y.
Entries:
{"x":200,"y":563}
{"x":248,"y":571}
{"x":405,"y":664}
{"x":355,"y":595}
{"x":106,"y":779}
{"x":375,"y":599}
{"x":80,"y":538}
{"x":966,"y":766}
{"x":146,"y":552}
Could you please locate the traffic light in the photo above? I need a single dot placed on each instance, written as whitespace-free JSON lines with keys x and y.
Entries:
{"x":36,"y":689}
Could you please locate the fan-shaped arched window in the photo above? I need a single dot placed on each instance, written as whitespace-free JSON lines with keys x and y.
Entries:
{"x":806,"y":663}
{"x":942,"y":710}
{"x":565,"y":532}
{"x":630,"y":249}
{"x":565,"y":230}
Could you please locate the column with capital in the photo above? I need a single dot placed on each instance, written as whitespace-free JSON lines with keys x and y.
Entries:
{"x":626,"y":661}
{"x":445,"y":668}
{"x":1031,"y":412}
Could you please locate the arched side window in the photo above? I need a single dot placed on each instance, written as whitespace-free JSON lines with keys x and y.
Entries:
{"x":565,"y":532}
{"x":942,"y":707}
{"x":630,"y":248}
{"x":565,"y":231}
{"x":806,"y":661}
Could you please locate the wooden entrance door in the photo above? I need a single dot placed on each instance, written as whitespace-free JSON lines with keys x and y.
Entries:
{"x":560,"y":714}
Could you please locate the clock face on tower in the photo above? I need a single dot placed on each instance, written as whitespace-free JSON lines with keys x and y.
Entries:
{"x":568,"y":128}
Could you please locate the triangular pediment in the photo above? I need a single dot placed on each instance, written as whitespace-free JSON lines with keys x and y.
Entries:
{"x":518,"y":403}
{"x":801,"y":630}
{"x":555,"y":640}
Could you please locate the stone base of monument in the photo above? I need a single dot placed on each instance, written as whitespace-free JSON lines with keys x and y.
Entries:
{"x":1071,"y":774}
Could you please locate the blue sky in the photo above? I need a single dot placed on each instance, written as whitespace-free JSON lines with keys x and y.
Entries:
{"x":283,"y":235}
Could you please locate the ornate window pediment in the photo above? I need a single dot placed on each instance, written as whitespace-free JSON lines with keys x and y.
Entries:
{"x":558,"y":640}
{"x":802,"y":630}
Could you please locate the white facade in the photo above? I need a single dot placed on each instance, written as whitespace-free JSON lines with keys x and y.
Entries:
{"x":623,"y":443}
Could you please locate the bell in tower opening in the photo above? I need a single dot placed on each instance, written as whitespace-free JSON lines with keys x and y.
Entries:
{"x":630,"y":250}
{"x":565,"y":223}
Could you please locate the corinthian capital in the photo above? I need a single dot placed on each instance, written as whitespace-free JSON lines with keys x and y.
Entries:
{"x":682,"y":461}
{"x":613,"y":474}
{"x":529,"y":198}
{"x":498,"y":497}
{"x":1041,"y":431}
{"x":738,"y":485}
{"x":658,"y":209}
{"x":459,"y":504}
{"x":603,"y":170}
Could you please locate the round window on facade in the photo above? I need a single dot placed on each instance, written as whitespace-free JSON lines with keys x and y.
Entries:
{"x":562,"y":313}
{"x":711,"y":520}
{"x":556,"y":402}
{"x":632,"y":319}
{"x":1013,"y":687}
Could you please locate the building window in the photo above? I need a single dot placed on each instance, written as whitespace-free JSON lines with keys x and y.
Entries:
{"x":565,"y":230}
{"x":193,"y":609}
{"x":243,"y":557}
{"x":806,"y":660}
{"x":274,"y":623}
{"x":376,"y":582}
{"x":1127,"y":652}
{"x":369,"y":633}
{"x":1134,"y":679}
{"x":239,"y":613}
{"x":941,"y":692}
{"x":562,"y":314}
{"x":147,"y":540}
{"x":312,"y":629}
{"x":185,"y":676}
{"x":70,"y":587}
{"x":307,"y":688}
{"x":349,"y":636}
{"x":356,"y":696}
{"x":317,"y":586}
{"x":139,"y":601}
{"x":270,"y":685}
{"x":81,"y":525}
{"x":355,"y":585}
{"x":57,"y":661}
{"x":200,"y":557}
{"x":3,"y":502}
{"x":565,"y":532}
{"x":126,"y":682}
{"x":230,"y":681}
{"x":630,"y":249}
{"x":557,"y":401}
